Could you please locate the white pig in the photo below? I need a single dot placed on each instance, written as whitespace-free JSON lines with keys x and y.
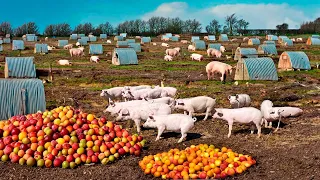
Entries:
{"x":170,"y":90}
{"x":191,"y":48}
{"x":168,"y":58}
{"x":154,"y":44}
{"x":184,"y":41}
{"x":198,"y":104}
{"x":94,"y":59}
{"x":154,"y":94}
{"x":108,"y":41}
{"x":216,"y":66}
{"x":197,"y":57}
{"x":165,"y":44}
{"x":112,"y":93}
{"x":135,"y":94}
{"x":137,"y":114}
{"x":244,"y":115}
{"x":172,"y":122}
{"x":239,"y":100}
{"x":216,"y":53}
{"x":172,"y":52}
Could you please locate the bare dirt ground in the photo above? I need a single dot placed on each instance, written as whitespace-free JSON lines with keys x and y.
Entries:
{"x":291,"y":153}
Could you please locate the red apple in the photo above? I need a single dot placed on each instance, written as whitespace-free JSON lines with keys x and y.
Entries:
{"x":57,"y":162}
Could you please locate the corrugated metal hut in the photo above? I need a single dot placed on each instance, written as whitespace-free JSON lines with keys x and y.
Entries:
{"x":21,"y":97}
{"x":169,"y":35}
{"x":1,"y":48}
{"x":1,"y":41}
{"x":272,"y":38}
{"x":81,"y":35}
{"x":294,"y":60}
{"x":62,"y":43}
{"x":211,"y":37}
{"x":313,"y":41}
{"x":85,"y":38}
{"x":253,"y":41}
{"x":256,"y":69}
{"x":118,"y":38}
{"x":41,"y":48}
{"x":215,"y":46}
{"x":19,"y":67}
{"x":164,"y":37}
{"x":123,"y":35}
{"x":194,"y":38}
{"x":223,"y":37}
{"x":83,"y":42}
{"x":315,"y":36}
{"x":281,"y":38}
{"x":93,"y":38}
{"x":131,"y":40}
{"x":285,"y":41}
{"x":6,"y":40}
{"x":95,"y":49}
{"x":145,"y":40}
{"x":199,"y":45}
{"x":31,"y":37}
{"x":245,"y":53}
{"x":124,"y":56}
{"x":103,"y":36}
{"x":122,"y":44}
{"x":17,"y":45}
{"x":269,"y":42}
{"x":267,"y":49}
{"x":74,"y":36}
{"x":174,"y":38}
{"x":135,"y":46}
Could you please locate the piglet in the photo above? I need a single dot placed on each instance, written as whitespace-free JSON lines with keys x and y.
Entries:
{"x":172,"y":122}
{"x":244,"y":115}
{"x":239,"y":100}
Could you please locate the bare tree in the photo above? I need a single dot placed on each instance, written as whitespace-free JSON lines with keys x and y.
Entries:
{"x":214,"y":27}
{"x":5,"y":28}
{"x":105,"y":28}
{"x":231,"y":22}
{"x":27,"y":28}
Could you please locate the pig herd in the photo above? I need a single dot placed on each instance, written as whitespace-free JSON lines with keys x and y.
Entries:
{"x":155,"y":106}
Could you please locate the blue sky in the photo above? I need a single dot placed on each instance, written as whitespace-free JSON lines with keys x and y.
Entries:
{"x":260,"y":14}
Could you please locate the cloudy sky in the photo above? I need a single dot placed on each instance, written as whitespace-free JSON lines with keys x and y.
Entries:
{"x":260,"y":14}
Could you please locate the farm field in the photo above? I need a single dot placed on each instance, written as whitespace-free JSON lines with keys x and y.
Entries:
{"x":290,"y":153}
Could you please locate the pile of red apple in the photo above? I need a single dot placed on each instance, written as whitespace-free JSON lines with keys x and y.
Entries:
{"x":196,"y":162}
{"x":64,"y":137}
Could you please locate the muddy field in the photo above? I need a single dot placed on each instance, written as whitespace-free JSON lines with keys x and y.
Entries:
{"x":291,"y":153}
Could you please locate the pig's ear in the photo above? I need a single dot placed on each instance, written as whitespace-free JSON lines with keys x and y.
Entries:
{"x":220,"y":114}
{"x":229,"y":97}
{"x":237,"y":96}
{"x":181,"y":103}
{"x":150,"y":116}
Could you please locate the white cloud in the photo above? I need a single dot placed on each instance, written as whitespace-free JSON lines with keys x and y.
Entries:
{"x":260,"y":16}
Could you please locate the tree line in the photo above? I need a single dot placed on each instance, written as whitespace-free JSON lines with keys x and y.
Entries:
{"x":151,"y":27}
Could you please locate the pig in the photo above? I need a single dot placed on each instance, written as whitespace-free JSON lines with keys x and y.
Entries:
{"x":177,"y":48}
{"x":222,"y":49}
{"x":243,"y":115}
{"x":112,"y":93}
{"x":135,"y":88}
{"x":154,"y":93}
{"x":198,"y":104}
{"x":216,"y":53}
{"x":78,"y":44}
{"x":268,"y":110}
{"x":206,"y":38}
{"x":197,"y":57}
{"x":245,"y":39}
{"x":50,"y":48}
{"x":172,"y":52}
{"x":299,"y":40}
{"x":76,"y":52}
{"x":135,"y":95}
{"x":165,"y":39}
{"x":168,"y":58}
{"x":170,"y":90}
{"x":138,"y":37}
{"x":141,"y":113}
{"x":165,"y":44}
{"x":177,"y":35}
{"x":239,"y":100}
{"x":94,"y":59}
{"x":293,"y":40}
{"x":191,"y":48}
{"x":69,"y":46}
{"x":46,"y":39}
{"x":184,"y":41}
{"x":172,"y":122}
{"x":154,"y":44}
{"x":108,"y":41}
{"x":216,"y":66}
{"x":64,"y":62}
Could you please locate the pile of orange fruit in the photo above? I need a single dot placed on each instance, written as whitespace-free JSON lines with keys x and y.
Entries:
{"x":196,"y":162}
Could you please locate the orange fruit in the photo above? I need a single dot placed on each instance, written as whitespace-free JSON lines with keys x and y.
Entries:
{"x":90,"y":117}
{"x":224,"y":149}
{"x":197,"y":168}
